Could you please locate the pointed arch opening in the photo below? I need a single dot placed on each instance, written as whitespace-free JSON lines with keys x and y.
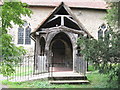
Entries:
{"x":62,"y":52}
{"x":42,"y":46}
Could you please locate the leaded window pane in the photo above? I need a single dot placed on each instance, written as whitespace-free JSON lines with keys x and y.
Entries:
{"x":20,"y":35}
{"x":106,"y":33}
{"x":100,"y":33}
{"x":27,"y":35}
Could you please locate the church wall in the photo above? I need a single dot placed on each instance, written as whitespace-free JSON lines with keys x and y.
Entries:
{"x":39,"y":14}
{"x":91,"y":19}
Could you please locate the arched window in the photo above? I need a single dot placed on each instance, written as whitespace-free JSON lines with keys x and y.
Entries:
{"x":27,"y":35}
{"x":100,"y":33}
{"x":20,"y":35}
{"x":103,"y":31}
{"x":24,"y":34}
{"x":106,"y":34}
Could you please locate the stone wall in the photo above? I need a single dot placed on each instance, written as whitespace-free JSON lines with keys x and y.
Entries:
{"x":91,"y":19}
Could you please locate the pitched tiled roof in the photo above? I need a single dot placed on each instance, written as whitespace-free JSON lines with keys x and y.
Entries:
{"x":95,"y":4}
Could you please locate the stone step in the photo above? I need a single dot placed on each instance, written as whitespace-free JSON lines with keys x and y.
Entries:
{"x":68,"y":78}
{"x":68,"y":81}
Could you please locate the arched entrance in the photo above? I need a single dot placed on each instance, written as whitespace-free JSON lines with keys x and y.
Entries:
{"x":41,"y":61}
{"x":42,"y":46}
{"x":58,"y":50}
{"x":62,"y":53}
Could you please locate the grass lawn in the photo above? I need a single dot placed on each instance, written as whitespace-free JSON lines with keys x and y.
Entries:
{"x":96,"y":81}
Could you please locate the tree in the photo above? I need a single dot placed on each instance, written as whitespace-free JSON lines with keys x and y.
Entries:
{"x":113,"y":14}
{"x":11,"y":12}
{"x":105,"y":52}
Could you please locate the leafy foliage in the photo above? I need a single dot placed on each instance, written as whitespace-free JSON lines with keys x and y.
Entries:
{"x":11,"y":14}
{"x":113,"y":15}
{"x":103,"y":53}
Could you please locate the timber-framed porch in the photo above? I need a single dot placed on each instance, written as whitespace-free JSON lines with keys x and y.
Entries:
{"x":56,"y":42}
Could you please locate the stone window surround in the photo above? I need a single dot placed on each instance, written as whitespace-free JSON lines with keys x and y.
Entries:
{"x":25,"y":26}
